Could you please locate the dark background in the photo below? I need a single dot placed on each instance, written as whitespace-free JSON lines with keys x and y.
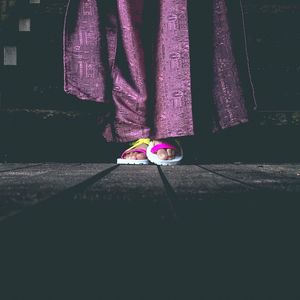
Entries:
{"x":37,"y":116}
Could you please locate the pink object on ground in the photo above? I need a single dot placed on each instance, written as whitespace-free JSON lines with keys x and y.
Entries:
{"x":157,"y":147}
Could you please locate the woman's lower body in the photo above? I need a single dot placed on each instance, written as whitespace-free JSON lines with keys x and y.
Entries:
{"x":135,"y":55}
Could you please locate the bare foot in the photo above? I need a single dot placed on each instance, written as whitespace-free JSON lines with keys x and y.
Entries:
{"x":165,"y":154}
{"x":136,"y":155}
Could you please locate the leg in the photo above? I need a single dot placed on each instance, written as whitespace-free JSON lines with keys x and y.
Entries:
{"x":172,"y":115}
{"x":152,"y":87}
{"x":129,"y":91}
{"x":173,"y":101}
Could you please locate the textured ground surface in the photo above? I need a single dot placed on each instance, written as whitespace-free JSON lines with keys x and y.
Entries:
{"x":101,"y":231}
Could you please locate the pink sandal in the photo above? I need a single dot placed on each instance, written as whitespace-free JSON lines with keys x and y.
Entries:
{"x":152,"y":153}
{"x":133,"y":148}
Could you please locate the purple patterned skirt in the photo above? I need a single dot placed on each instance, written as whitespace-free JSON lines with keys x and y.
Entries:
{"x":135,"y":55}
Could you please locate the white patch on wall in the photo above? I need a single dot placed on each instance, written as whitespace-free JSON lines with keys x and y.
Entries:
{"x":34,"y":1}
{"x":24,"y":24}
{"x":10,"y":55}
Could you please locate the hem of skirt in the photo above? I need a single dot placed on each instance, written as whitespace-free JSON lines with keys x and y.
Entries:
{"x":172,"y":135}
{"x":221,"y":128}
{"x":83,"y":97}
{"x":112,"y":137}
{"x":133,"y":137}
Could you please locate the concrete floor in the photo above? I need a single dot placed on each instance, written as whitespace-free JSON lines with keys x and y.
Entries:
{"x":102,"y":231}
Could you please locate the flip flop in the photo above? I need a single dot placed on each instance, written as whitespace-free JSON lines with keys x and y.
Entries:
{"x":152,"y":153}
{"x":134,"y":145}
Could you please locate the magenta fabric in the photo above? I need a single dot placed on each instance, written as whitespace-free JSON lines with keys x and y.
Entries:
{"x":157,"y":147}
{"x":135,"y":55}
{"x":229,"y":99}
